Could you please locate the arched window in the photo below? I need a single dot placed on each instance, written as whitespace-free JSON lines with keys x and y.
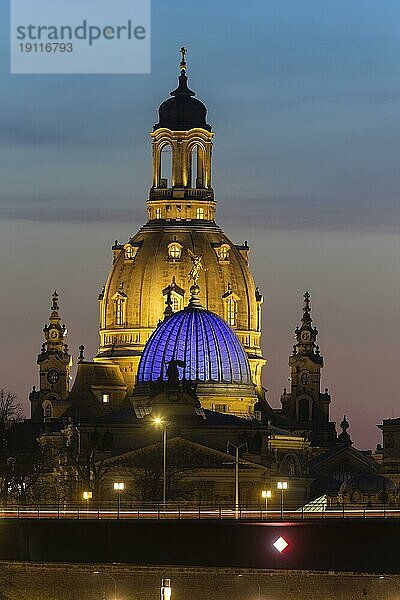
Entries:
{"x":119,"y":310}
{"x":305,"y":378}
{"x":200,"y":213}
{"x":165,"y":179}
{"x":175,"y":250}
{"x":304,"y":410}
{"x":177,"y":301}
{"x":223,"y":252}
{"x":48,"y":411}
{"x":129,"y":251}
{"x":196,"y":167}
{"x":231,"y":312}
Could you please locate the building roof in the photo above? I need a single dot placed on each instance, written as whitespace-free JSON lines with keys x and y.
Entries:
{"x":182,"y":112}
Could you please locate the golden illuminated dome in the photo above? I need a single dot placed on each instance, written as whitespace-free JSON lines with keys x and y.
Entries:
{"x":159,"y":257}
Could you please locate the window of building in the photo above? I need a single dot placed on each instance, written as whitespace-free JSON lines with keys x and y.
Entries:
{"x":231,"y":315}
{"x":200,"y":213}
{"x":48,"y":411}
{"x":129,"y":252}
{"x":158,"y":213}
{"x":223,"y":253}
{"x":119,"y":311}
{"x":220,"y":408}
{"x":105,"y":398}
{"x":165,"y":173}
{"x":304,"y":410}
{"x":175,"y":251}
{"x":305,"y":378}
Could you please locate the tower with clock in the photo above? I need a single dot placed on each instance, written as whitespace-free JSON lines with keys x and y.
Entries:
{"x":304,"y":407}
{"x":55,"y":364}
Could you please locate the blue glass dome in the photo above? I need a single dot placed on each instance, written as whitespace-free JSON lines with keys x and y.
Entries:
{"x":206,"y":345}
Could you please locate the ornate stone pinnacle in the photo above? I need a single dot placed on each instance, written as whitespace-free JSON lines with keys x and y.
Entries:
{"x":81,"y":357}
{"x":306,"y":307}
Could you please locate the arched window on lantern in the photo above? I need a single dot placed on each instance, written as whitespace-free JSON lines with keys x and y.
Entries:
{"x":165,"y":173}
{"x":197,"y":167}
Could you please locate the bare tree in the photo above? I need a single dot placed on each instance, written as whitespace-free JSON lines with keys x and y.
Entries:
{"x":10,"y":408}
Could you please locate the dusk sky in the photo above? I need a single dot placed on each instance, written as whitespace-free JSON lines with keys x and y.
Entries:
{"x":303,"y":97}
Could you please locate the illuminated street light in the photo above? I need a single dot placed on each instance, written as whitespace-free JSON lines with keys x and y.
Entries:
{"x":119,"y":487}
{"x":111,"y":577}
{"x":237,"y":448}
{"x":282,"y":486}
{"x":166,"y":589}
{"x":266,"y":494}
{"x":87,"y":496}
{"x":163,"y":424}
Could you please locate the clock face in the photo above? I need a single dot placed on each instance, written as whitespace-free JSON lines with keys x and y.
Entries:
{"x":53,"y":376}
{"x":53,"y":333}
{"x":305,"y":336}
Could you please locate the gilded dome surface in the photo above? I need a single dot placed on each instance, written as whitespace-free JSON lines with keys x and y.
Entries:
{"x":202,"y":343}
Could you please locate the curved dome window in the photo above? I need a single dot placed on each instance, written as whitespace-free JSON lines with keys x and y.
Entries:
{"x":223,"y":252}
{"x":129,"y":251}
{"x":200,"y":213}
{"x":231,"y":312}
{"x":175,"y":251}
{"x":119,"y":308}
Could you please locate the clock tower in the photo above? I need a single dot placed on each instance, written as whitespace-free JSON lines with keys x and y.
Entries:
{"x":304,"y":406}
{"x":54,"y":369}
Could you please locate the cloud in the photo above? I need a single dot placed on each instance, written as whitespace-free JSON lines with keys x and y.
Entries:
{"x":312,"y":213}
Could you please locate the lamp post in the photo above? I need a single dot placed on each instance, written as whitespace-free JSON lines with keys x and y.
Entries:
{"x":163,"y":424}
{"x":266,"y":494}
{"x":282,"y":486}
{"x":119,"y":487}
{"x":166,"y":589}
{"x":87,"y":496}
{"x":111,"y":577}
{"x":237,"y":448}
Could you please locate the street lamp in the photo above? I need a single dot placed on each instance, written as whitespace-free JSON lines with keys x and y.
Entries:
{"x":237,"y":448}
{"x":163,"y":424}
{"x":282,"y":485}
{"x":119,"y":487}
{"x":111,"y":577}
{"x":266,"y":494}
{"x":87,"y":496}
{"x":165,"y":589}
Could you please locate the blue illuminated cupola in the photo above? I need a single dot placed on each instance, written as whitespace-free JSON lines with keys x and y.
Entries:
{"x":199,"y":340}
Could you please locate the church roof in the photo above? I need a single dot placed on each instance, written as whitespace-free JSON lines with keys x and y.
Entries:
{"x":200,"y":344}
{"x":182,"y":112}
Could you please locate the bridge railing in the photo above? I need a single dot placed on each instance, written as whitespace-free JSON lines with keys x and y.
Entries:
{"x":185,"y":510}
